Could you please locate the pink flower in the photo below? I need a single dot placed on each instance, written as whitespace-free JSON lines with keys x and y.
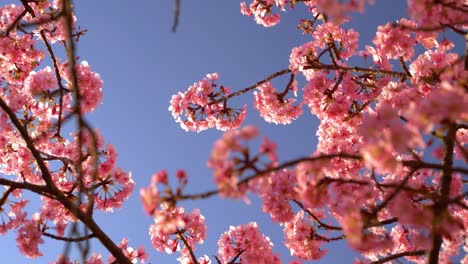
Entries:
{"x":276,"y":191}
{"x":247,"y":241}
{"x":28,"y":239}
{"x":133,"y":255}
{"x":273,"y":107}
{"x":204,"y":105}
{"x":299,"y":241}
{"x":171,"y":221}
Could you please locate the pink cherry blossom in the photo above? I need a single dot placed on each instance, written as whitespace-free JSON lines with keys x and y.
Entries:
{"x":299,"y":240}
{"x":203,"y":106}
{"x":273,"y":107}
{"x":247,"y":242}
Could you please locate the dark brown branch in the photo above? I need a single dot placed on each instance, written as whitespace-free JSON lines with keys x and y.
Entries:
{"x":440,"y":206}
{"x":180,"y":235}
{"x":319,"y":222}
{"x":69,"y":239}
{"x":58,"y":77}
{"x":39,"y":189}
{"x":383,"y":222}
{"x":27,"y":7}
{"x":425,"y":165}
{"x":321,"y":66}
{"x":15,"y":22}
{"x":399,"y":188}
{"x":245,"y":90}
{"x":399,"y":255}
{"x":233,"y":261}
{"x":93,"y":227}
{"x":466,"y":53}
{"x":5,"y":196}
{"x":176,"y":15}
{"x":288,"y":86}
{"x":403,"y":65}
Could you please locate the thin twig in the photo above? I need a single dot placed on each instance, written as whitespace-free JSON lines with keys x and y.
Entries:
{"x":69,"y":239}
{"x":176,"y":15}
{"x":319,"y":222}
{"x":399,"y":255}
{"x":192,"y":254}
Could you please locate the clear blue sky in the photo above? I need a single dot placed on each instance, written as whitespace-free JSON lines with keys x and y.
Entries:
{"x":142,"y":63}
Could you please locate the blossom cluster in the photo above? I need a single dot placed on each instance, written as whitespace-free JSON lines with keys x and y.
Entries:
{"x":204,"y":105}
{"x":171,"y":224}
{"x":230,"y":159}
{"x":37,"y":102}
{"x":246,"y":243}
{"x":372,"y":178}
{"x":273,"y":107}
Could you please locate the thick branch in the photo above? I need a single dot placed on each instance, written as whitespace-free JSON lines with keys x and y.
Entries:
{"x":39,"y":189}
{"x":440,"y":206}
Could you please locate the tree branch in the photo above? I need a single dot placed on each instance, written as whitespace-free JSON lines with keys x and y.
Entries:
{"x":176,"y":15}
{"x":69,"y":239}
{"x":440,"y":206}
{"x":192,"y":255}
{"x":266,"y":171}
{"x":399,"y":255}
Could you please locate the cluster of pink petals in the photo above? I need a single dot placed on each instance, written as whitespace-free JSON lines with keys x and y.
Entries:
{"x":93,"y":259}
{"x":228,"y":167}
{"x":273,"y":107}
{"x":261,"y":10}
{"x":90,"y":85}
{"x":150,"y":197}
{"x":276,"y":191}
{"x":186,"y":258}
{"x":309,"y":187}
{"x":203,"y":106}
{"x":247,"y":242}
{"x":328,"y":33}
{"x":384,"y":136}
{"x":225,"y":174}
{"x":433,"y":13}
{"x":299,"y":239}
{"x":13,"y":217}
{"x":443,"y":104}
{"x":300,"y":57}
{"x":337,"y":11}
{"x":41,"y":81}
{"x":394,"y":42}
{"x":324,"y":36}
{"x":170,"y":223}
{"x":29,"y":237}
{"x":115,"y":189}
{"x":135,"y":256}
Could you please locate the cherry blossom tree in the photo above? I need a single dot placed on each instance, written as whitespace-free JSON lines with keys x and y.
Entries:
{"x":388,"y":174}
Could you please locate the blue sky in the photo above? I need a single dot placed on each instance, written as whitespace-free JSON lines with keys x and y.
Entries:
{"x":142,"y":63}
